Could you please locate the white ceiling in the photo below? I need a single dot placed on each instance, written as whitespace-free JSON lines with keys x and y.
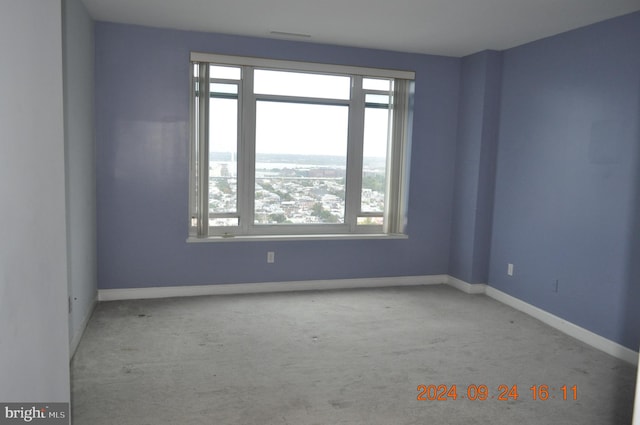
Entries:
{"x":445,"y":27}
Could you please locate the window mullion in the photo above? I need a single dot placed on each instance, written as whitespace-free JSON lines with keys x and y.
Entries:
{"x":302,"y":99}
{"x":354,"y":153}
{"x":203,"y":150}
{"x":395,"y":197}
{"x":194,"y":101}
{"x":247,"y":151}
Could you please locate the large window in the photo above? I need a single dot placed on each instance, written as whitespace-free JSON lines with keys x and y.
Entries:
{"x":292,"y":148}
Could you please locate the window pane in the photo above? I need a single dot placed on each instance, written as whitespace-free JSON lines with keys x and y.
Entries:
{"x":224,"y":222}
{"x":223,"y":155}
{"x":302,"y":84}
{"x":219,"y":88}
{"x":301,"y":158}
{"x":377,"y":99}
{"x":376,"y":84}
{"x":225,"y":72}
{"x":374,"y":166}
{"x":370,"y":221}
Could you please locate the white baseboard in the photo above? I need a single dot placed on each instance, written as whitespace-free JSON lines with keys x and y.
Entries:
{"x":575,"y":331}
{"x":564,"y":326}
{"x":469,"y":288}
{"x":253,"y":288}
{"x":556,"y":322}
{"x":77,"y":336}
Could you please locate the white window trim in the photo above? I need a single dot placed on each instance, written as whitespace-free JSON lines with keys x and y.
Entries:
{"x":301,"y":66}
{"x":396,"y":202}
{"x":298,"y":237}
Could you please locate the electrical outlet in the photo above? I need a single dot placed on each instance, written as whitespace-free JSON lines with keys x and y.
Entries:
{"x":510,"y":269}
{"x":271,"y":257}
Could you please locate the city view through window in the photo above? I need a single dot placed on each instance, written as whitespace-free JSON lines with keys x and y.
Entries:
{"x":296,"y":189}
{"x":301,"y":152}
{"x":317,"y":152}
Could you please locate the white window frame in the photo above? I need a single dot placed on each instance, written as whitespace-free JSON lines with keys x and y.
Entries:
{"x":397,"y":155}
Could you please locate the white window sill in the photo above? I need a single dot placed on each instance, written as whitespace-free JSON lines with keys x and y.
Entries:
{"x":278,"y":238}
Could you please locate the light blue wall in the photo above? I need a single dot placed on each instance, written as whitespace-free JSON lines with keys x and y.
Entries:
{"x":562,"y":111}
{"x":142,"y":169}
{"x":480,"y":82}
{"x":78,"y":61}
{"x":34,"y":335}
{"x":566,"y":199}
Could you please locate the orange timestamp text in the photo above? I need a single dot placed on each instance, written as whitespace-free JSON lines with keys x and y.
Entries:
{"x":501,"y":392}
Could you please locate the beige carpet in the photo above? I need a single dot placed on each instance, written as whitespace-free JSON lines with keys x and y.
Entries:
{"x":337,"y":357}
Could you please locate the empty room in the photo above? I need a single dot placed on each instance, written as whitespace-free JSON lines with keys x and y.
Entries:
{"x":281,"y":212}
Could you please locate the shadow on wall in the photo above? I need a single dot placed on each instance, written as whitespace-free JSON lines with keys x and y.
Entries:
{"x":631,"y":304}
{"x":631,"y":328}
